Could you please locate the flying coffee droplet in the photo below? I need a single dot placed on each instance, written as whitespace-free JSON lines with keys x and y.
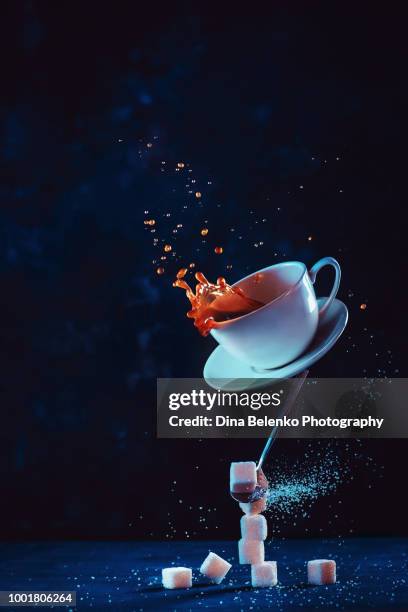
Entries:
{"x":363,"y":306}
{"x":181,"y":273}
{"x":204,"y":231}
{"x":180,"y":165}
{"x":167,"y":248}
{"x":218,"y":250}
{"x":198,"y":194}
{"x":160,"y":271}
{"x":192,"y":265}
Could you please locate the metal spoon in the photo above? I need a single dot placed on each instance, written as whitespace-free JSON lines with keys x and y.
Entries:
{"x":262,"y":482}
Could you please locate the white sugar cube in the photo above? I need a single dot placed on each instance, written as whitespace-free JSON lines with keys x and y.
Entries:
{"x":243,"y":477}
{"x":264,"y":574}
{"x":254,"y":527}
{"x":215,"y":567}
{"x":255,"y":507}
{"x":176,"y":577}
{"x":321,"y":571}
{"x":251,"y":551}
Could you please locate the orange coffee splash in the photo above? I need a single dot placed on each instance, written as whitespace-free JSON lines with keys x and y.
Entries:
{"x":212,"y":304}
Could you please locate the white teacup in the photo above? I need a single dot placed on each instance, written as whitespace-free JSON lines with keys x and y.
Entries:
{"x":280,"y":331}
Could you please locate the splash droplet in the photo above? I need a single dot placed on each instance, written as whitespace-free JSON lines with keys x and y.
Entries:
{"x":218,"y":250}
{"x":212,"y":303}
{"x":181,"y":273}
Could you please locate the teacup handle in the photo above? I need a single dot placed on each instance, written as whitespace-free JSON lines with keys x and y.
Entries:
{"x":327,"y":261}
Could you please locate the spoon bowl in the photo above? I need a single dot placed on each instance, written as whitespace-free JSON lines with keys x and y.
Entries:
{"x":260,"y":490}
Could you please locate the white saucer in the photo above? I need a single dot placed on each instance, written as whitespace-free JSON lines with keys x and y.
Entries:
{"x":222,"y":371}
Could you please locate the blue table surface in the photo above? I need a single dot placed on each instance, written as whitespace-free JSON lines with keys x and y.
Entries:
{"x":372,"y":574}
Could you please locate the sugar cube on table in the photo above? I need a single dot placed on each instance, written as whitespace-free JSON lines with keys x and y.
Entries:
{"x":251,"y":551}
{"x":243,"y":477}
{"x":254,"y":527}
{"x":215,"y":567}
{"x":321,"y":571}
{"x":177,"y":577}
{"x":255,"y":507}
{"x":264,"y":574}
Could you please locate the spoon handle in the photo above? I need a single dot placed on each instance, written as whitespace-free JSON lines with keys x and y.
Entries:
{"x":293,"y":394}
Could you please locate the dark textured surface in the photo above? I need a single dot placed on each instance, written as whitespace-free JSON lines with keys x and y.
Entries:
{"x":372,"y":574}
{"x":261,"y":102}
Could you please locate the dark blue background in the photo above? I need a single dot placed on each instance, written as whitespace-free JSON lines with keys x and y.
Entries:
{"x":248,"y":98}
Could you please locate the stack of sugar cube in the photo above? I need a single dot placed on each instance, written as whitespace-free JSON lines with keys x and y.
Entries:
{"x":254,"y":529}
{"x":251,"y":549}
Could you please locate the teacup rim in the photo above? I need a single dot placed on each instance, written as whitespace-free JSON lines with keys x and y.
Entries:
{"x":220,"y":324}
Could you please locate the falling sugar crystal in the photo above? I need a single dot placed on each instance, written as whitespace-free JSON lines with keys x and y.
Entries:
{"x":243,"y":477}
{"x":303,"y":483}
{"x":177,"y":577}
{"x":254,"y":527}
{"x":321,"y":571}
{"x":255,"y":507}
{"x":264,"y":574}
{"x":251,"y":551}
{"x":215,"y":567}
